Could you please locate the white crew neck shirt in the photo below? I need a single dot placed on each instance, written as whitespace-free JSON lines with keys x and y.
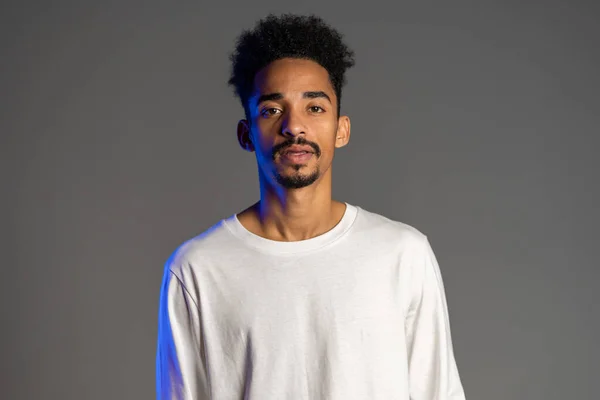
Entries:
{"x":356,"y":313}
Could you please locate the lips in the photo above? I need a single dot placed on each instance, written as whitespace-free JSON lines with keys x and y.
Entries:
{"x":296,"y":156}
{"x":296,"y":150}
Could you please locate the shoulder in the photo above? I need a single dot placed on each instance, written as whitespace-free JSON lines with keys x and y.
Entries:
{"x":408,"y":243}
{"x":375,"y":225}
{"x":193,"y":251}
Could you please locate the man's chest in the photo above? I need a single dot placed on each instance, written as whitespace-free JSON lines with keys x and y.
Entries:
{"x":321,"y":296}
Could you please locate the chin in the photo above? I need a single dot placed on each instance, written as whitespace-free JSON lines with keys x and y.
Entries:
{"x":297,"y":180}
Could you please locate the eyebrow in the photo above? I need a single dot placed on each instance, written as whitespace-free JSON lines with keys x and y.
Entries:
{"x":306,"y":95}
{"x":315,"y":95}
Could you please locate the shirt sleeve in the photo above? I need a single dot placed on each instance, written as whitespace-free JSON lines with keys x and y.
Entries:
{"x":433,"y":373}
{"x":180,"y":356}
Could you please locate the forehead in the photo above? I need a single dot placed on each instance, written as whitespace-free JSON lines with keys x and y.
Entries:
{"x":290,"y":75}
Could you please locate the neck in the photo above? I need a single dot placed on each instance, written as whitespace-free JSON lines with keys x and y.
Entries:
{"x":293,"y":214}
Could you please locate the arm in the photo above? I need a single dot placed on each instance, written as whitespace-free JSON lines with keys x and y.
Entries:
{"x":433,"y":374}
{"x":180,"y":358}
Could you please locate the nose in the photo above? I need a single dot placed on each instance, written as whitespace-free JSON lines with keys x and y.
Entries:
{"x":293,"y":124}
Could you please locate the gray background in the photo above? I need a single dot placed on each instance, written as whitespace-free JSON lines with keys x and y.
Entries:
{"x":476,"y":122}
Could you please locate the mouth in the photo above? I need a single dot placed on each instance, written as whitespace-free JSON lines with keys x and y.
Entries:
{"x":296,"y":157}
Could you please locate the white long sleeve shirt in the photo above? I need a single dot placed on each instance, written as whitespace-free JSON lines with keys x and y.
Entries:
{"x":358,"y":312}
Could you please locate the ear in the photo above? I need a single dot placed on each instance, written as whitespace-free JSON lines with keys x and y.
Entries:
{"x":343,"y":132}
{"x":243,"y":135}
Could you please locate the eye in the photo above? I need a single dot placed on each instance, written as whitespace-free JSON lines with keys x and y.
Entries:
{"x":316,"y":109}
{"x":267,"y":112}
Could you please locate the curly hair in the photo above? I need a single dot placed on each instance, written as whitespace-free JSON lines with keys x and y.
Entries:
{"x":293,"y":36}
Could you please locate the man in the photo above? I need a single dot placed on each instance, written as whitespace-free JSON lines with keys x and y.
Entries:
{"x":300,"y":296}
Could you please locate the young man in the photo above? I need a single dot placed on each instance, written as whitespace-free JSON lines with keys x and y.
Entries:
{"x":301,"y":296}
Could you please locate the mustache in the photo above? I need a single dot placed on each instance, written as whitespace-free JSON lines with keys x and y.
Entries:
{"x":290,"y":142}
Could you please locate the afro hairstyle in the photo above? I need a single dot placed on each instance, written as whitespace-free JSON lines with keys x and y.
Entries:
{"x":288,"y":36}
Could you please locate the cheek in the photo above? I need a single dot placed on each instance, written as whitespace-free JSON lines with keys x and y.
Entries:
{"x":328,"y":139}
{"x":262,"y":139}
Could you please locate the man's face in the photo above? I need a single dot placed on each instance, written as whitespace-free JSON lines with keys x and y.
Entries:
{"x":293,"y":124}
